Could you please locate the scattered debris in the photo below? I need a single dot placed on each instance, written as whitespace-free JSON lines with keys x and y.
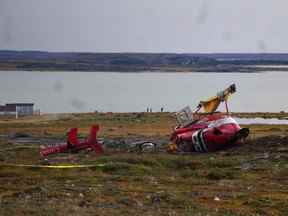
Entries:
{"x":135,"y":144}
{"x":143,"y":146}
{"x":247,"y":166}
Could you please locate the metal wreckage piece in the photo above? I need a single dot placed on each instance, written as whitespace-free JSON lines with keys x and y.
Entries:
{"x":74,"y":145}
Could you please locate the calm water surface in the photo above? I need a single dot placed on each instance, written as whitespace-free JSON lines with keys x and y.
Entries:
{"x":133,"y":92}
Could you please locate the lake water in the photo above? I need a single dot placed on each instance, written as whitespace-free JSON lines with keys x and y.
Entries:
{"x":133,"y":92}
{"x":269,"y":121}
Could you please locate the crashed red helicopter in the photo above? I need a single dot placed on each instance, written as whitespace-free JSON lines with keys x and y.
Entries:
{"x":196,"y":132}
{"x":74,"y":145}
{"x":207,"y":131}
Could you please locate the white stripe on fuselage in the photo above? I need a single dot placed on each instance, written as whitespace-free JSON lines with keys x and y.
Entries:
{"x":198,"y":142}
{"x":220,"y":122}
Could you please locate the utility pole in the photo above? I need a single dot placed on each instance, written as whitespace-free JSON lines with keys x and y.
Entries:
{"x":16,"y":112}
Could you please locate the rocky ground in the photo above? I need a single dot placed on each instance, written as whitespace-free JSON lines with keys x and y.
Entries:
{"x":248,"y":180}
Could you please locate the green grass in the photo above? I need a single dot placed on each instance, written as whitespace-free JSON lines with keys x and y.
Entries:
{"x":229,"y":182}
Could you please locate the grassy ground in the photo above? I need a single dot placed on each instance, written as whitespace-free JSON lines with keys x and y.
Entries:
{"x":247,"y":180}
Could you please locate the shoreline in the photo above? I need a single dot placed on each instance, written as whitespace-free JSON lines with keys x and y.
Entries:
{"x":137,"y":62}
{"x":242,"y":69}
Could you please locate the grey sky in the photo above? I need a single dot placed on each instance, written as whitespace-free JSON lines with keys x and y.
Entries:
{"x":144,"y":25}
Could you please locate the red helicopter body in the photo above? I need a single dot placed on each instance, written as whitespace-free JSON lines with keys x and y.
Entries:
{"x":208,"y":132}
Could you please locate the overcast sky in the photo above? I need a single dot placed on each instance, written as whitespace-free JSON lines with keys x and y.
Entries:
{"x":145,"y":25}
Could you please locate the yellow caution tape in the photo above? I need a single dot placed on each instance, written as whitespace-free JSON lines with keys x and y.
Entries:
{"x":53,"y":166}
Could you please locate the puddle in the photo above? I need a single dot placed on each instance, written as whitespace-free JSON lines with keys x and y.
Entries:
{"x":269,"y":121}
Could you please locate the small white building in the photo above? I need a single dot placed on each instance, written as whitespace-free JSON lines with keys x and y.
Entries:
{"x":17,"y":109}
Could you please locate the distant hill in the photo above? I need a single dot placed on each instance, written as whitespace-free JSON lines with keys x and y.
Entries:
{"x":125,"y":62}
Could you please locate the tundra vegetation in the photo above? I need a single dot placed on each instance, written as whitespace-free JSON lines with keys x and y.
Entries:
{"x":247,"y":180}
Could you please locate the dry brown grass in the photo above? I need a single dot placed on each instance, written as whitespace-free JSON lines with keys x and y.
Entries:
{"x":249,"y":180}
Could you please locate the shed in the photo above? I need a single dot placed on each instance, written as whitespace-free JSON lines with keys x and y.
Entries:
{"x":22,"y":109}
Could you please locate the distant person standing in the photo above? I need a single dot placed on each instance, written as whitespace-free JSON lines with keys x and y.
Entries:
{"x":162,"y":109}
{"x":150,"y":109}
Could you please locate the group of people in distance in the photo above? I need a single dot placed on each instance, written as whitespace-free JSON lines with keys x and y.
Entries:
{"x":149,"y":109}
